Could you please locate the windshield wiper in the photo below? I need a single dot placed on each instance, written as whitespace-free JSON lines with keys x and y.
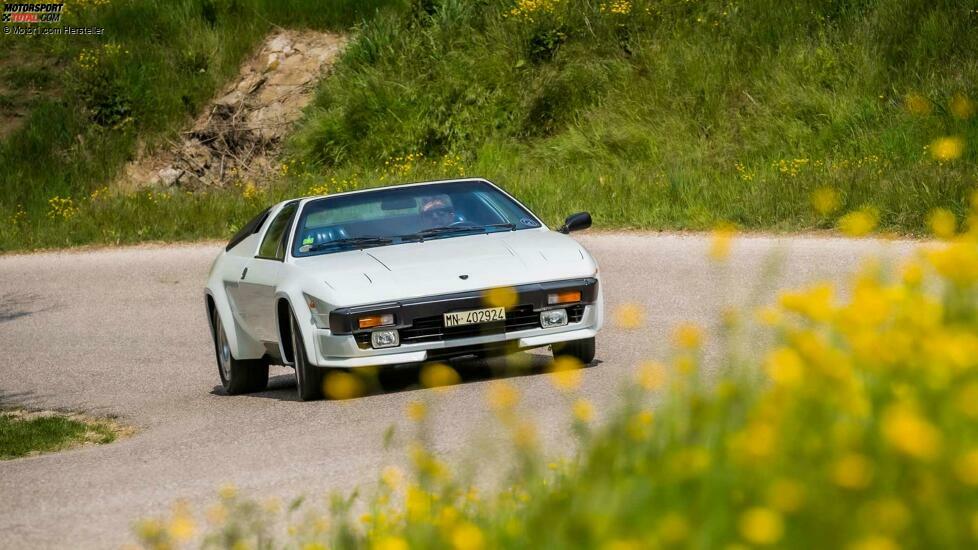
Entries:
{"x":435,"y":231}
{"x":356,"y":242}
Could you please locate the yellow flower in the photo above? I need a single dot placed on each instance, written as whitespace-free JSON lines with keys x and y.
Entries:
{"x":500,"y":297}
{"x":583,"y":410}
{"x":910,"y":433}
{"x":227,"y":491}
{"x":392,"y":477}
{"x":687,"y":336}
{"x":438,"y":375}
{"x":966,"y":467}
{"x":962,"y":107}
{"x":467,"y":536}
{"x":852,"y":471}
{"x":182,"y":525}
{"x":786,"y":495}
{"x":639,"y":425}
{"x":859,"y":223}
{"x":761,"y":526}
{"x":629,"y":316}
{"x":957,"y":262}
{"x":815,"y":302}
{"x":784,"y":366}
{"x":342,"y":385}
{"x":825,"y":200}
{"x":720,"y":242}
{"x":918,"y":104}
{"x":673,"y":528}
{"x":525,"y":435}
{"x":651,"y":375}
{"x":874,"y":542}
{"x":417,"y":411}
{"x":947,"y":148}
{"x":502,"y":396}
{"x":390,"y":543}
{"x":565,"y":373}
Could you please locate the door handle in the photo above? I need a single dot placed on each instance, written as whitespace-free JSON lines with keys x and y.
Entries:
{"x":244,"y":273}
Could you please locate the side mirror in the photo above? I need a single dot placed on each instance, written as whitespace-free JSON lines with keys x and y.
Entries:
{"x":576,"y":222}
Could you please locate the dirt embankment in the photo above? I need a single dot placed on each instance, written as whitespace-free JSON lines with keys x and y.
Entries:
{"x":237,"y":136}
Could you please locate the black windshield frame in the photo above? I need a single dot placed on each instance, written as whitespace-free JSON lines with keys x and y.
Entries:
{"x":511,"y":211}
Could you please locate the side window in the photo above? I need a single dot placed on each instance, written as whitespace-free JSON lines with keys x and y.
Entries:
{"x":248,"y":229}
{"x":272,"y":246}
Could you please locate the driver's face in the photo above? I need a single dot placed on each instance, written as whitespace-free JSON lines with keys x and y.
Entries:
{"x":439,"y":216}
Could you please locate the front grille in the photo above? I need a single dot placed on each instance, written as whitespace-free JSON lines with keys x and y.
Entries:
{"x":433,"y":329}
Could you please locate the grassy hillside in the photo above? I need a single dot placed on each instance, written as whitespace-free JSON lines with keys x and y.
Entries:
{"x":664,"y":114}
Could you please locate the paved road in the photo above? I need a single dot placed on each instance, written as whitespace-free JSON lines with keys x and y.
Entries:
{"x":122,"y":332}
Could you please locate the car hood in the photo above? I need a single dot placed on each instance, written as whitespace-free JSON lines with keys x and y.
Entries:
{"x":448,"y":265}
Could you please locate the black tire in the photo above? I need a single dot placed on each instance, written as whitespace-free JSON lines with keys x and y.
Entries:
{"x":237,"y":375}
{"x":582,"y":350}
{"x":308,"y":377}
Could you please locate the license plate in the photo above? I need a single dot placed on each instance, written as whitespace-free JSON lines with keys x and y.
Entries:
{"x":474,"y":316}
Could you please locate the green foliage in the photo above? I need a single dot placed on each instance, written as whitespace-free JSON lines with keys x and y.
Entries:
{"x":662,"y":115}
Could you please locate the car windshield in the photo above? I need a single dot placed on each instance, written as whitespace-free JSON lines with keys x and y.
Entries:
{"x":413,"y":213}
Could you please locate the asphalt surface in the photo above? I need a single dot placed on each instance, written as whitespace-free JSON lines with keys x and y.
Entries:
{"x":122,"y":332}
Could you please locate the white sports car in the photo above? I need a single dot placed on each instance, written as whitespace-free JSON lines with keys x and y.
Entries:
{"x":397,"y":275}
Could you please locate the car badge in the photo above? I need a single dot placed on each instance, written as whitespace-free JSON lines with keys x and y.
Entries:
{"x":463,"y":277}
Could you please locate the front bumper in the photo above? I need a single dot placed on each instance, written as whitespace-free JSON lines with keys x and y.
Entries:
{"x":340,"y":346}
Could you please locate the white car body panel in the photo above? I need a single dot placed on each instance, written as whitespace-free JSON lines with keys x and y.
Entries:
{"x":247,"y":301}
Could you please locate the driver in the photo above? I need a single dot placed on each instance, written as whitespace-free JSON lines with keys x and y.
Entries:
{"x":437,"y":212}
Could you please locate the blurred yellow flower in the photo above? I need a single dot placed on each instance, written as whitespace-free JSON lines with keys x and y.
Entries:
{"x":565,"y":373}
{"x":525,"y":435}
{"x":502,"y":396}
{"x":966,"y":467}
{"x":966,"y":400}
{"x":910,"y":433}
{"x":947,"y":148}
{"x":887,"y":514}
{"x":467,"y":536}
{"x":583,"y":410}
{"x":874,"y":542}
{"x":417,"y":410}
{"x":629,"y":316}
{"x":436,"y":375}
{"x":826,"y":200}
{"x":182,"y":526}
{"x":761,"y":526}
{"x":227,"y":491}
{"x":342,"y":385}
{"x":720,"y":242}
{"x":392,"y":477}
{"x":815,"y":302}
{"x":673,"y":528}
{"x":786,"y":495}
{"x":852,"y":471}
{"x":957,"y":262}
{"x":640,"y":424}
{"x":858,"y":223}
{"x":687,"y":336}
{"x":500,"y":297}
{"x":651,"y":375}
{"x":961,"y":106}
{"x":217,"y":514}
{"x":390,"y":543}
{"x":918,"y":104}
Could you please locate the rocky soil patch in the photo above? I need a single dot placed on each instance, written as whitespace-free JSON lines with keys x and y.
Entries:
{"x":237,"y":137}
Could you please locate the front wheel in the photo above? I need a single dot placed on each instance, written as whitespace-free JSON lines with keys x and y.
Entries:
{"x":308,"y":378}
{"x":582,"y":350}
{"x":237,"y":375}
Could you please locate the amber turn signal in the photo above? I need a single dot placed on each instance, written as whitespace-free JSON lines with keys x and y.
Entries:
{"x":371,"y":321}
{"x":564,"y":297}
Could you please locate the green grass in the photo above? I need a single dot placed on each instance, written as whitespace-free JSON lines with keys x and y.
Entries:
{"x":23,"y":435}
{"x":675,"y":115}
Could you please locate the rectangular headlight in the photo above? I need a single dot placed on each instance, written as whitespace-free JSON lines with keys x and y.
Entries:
{"x":384,"y":339}
{"x":370,"y":321}
{"x":563,"y":297}
{"x":553,"y":318}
